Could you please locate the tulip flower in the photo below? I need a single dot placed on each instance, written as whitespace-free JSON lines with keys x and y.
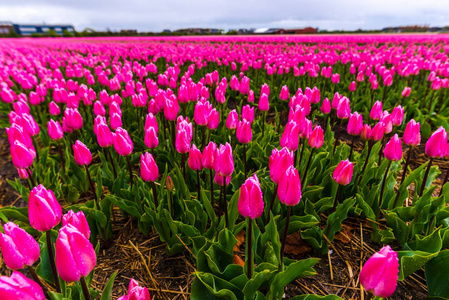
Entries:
{"x":290,"y":136}
{"x":250,"y":206}
{"x":208,"y":159}
{"x":19,"y":249}
{"x":195,"y":163}
{"x":412,"y":135}
{"x":435,"y":147}
{"x":21,"y":156}
{"x":376,"y":111}
{"x":355,"y":125}
{"x":326,"y":106}
{"x":54,"y":108}
{"x":365,"y":132}
{"x":99,"y":109}
{"x":151,"y":140}
{"x":406,"y":92}
{"x":264,"y":104}
{"x":44,"y":213}
{"x":149,"y":172}
{"x":248,"y":113}
{"x":213,"y":120}
{"x":17,"y":286}
{"x":289,"y":193}
{"x":82,"y":154}
{"x":75,"y":256}
{"x":284,"y":95}
{"x":342,"y":175}
{"x":220,"y":179}
{"x":124,"y":146}
{"x":379,"y":274}
{"x":352,"y":86}
{"x":377,"y":132}
{"x":136,"y":292}
{"x":55,"y":130}
{"x":397,"y":115}
{"x":224,"y":166}
{"x":233,"y":120}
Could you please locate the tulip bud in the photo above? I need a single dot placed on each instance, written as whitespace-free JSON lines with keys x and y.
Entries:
{"x":377,"y":132}
{"x":213,"y":119}
{"x":343,"y":109}
{"x":406,"y":92}
{"x":99,"y":109}
{"x":316,"y":138}
{"x":149,"y":170}
{"x":343,"y":172}
{"x":136,"y":292}
{"x":169,"y":184}
{"x":122,"y":142}
{"x":326,"y":106}
{"x":248,"y":113}
{"x":290,"y":136}
{"x":77,"y":220}
{"x":412,"y":136}
{"x":376,"y":111}
{"x":43,"y":209}
{"x":436,"y":144}
{"x":183,"y":135}
{"x":393,"y":149}
{"x":23,"y":174}
{"x":19,"y":249}
{"x":209,"y":156}
{"x":151,"y":140}
{"x":54,"y":108}
{"x":22,"y":158}
{"x":289,"y":190}
{"x":74,"y":254}
{"x":379,"y":274}
{"x":251,"y":199}
{"x":224,"y":165}
{"x":30,"y":126}
{"x":355,"y":124}
{"x":251,"y":96}
{"x":335,"y":78}
{"x":233,"y":120}
{"x":82,"y":154}
{"x":397,"y":115}
{"x":244,"y":132}
{"x":17,"y":286}
{"x":279,"y":162}
{"x":264,"y":104}
{"x":352,"y":86}
{"x":195,"y":159}
{"x":55,"y":130}
{"x":365,"y":132}
{"x":284,"y":95}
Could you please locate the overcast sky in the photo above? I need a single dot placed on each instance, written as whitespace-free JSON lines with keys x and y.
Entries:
{"x":230,"y":14}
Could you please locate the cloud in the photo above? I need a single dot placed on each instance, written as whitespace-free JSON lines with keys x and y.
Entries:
{"x":174,"y":14}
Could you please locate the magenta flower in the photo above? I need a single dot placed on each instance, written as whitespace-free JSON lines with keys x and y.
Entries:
{"x":251,"y":199}
{"x":77,"y":220}
{"x":20,"y":287}
{"x":289,"y":190}
{"x":44,"y":210}
{"x":343,"y":172}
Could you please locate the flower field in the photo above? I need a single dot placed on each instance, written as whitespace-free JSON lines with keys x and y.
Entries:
{"x":243,"y":167}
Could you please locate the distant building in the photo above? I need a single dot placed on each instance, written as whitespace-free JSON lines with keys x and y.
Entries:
{"x":307,"y":30}
{"x":6,"y":28}
{"x":197,"y":31}
{"x":128,"y":31}
{"x":29,"y":29}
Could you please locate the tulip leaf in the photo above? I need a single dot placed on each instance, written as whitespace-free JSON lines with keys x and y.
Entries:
{"x":107,"y":291}
{"x":316,"y":297}
{"x":437,"y":277}
{"x":253,"y":284}
{"x":336,"y":218}
{"x":294,"y":271}
{"x":208,"y":286}
{"x":411,"y":261}
{"x":400,"y":228}
{"x":56,"y":296}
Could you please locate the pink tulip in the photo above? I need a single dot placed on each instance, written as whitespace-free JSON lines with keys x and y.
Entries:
{"x":224,"y":164}
{"x":54,"y":108}
{"x":151,"y":121}
{"x":279,"y":162}
{"x":201,"y":113}
{"x":316,"y":138}
{"x":82,"y":154}
{"x":251,"y":96}
{"x":376,"y":111}
{"x":23,"y":174}
{"x":393,"y":149}
{"x":264,"y":104}
{"x":377,"y":132}
{"x":149,"y":170}
{"x":17,"y":286}
{"x":30,"y":126}
{"x":397,"y":115}
{"x":326,"y":106}
{"x":16,"y":133}
{"x":406,"y":92}
{"x":136,"y":292}
{"x":195,"y":159}
{"x":412,"y":135}
{"x":55,"y":130}
{"x":379,"y":274}
{"x":219,"y":179}
{"x":352,"y":86}
{"x":335,"y":78}
{"x":343,"y":109}
{"x":209,"y":156}
{"x":19,"y":249}
{"x":77,"y":220}
{"x":43,"y":209}
{"x":244,"y":86}
{"x":22,"y":157}
{"x":73,"y":118}
{"x":213,"y":119}
{"x":244,"y":132}
{"x":289,"y":190}
{"x":99,"y":109}
{"x":307,"y":129}
{"x":233,"y":120}
{"x":343,"y":172}
{"x":284,"y":95}
{"x":250,"y":202}
{"x":75,"y":256}
{"x":151,"y":140}
{"x":290,"y":136}
{"x":104,"y":135}
{"x":365,"y":132}
{"x":355,"y":124}
{"x":248,"y":113}
{"x":183,"y":135}
{"x":436,"y":144}
{"x":122,"y":142}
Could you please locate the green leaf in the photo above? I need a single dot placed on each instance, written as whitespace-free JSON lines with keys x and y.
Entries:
{"x":316,"y":297}
{"x":254,"y":284}
{"x":411,"y":261}
{"x":336,"y":218}
{"x":107,"y":291}
{"x":437,"y":276}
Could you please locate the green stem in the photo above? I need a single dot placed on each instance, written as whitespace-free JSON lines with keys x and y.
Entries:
{"x":272,"y":202}
{"x":284,"y":240}
{"x":36,"y":278}
{"x":131,"y":182}
{"x":244,"y":160}
{"x":425,"y":177}
{"x":85,"y":288}
{"x":92,"y":187}
{"x":304,"y":178}
{"x":249,"y":248}
{"x":51,"y":257}
{"x":154,"y":194}
{"x":336,"y":198}
{"x":379,"y":201}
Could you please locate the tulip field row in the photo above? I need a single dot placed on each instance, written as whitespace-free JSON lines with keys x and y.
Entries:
{"x":201,"y":139}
